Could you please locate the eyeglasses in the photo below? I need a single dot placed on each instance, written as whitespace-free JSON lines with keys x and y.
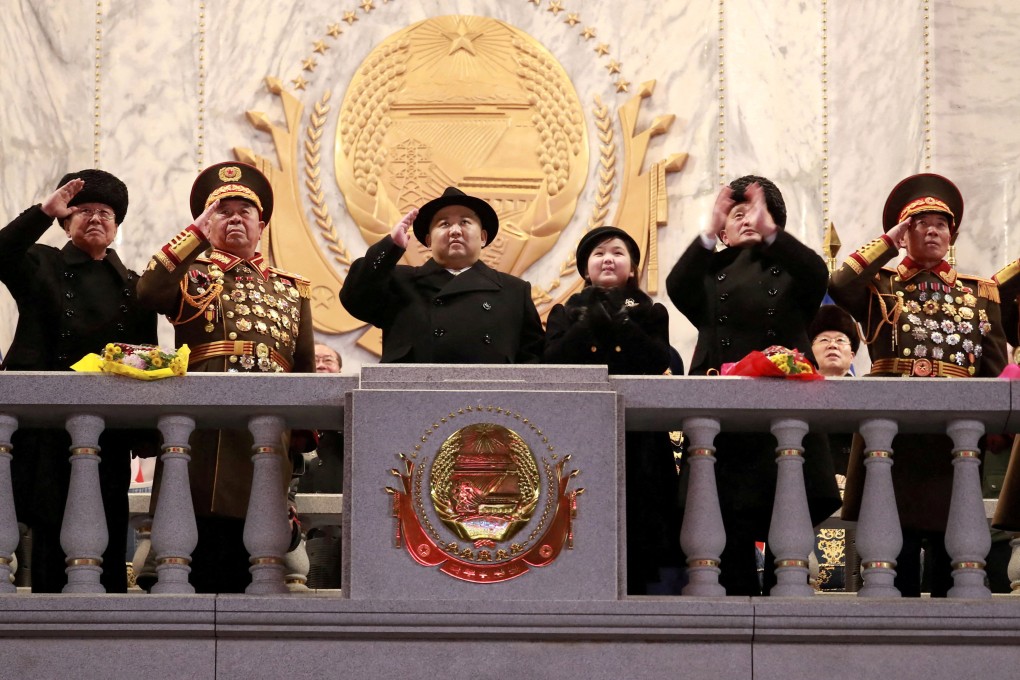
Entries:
{"x":839,"y":342}
{"x":87,"y":213}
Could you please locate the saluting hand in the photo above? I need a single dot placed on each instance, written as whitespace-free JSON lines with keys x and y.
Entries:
{"x":202,"y":221}
{"x":759,"y":214}
{"x":399,"y":234}
{"x":898,"y":233}
{"x":723,"y":205}
{"x":55,"y":204}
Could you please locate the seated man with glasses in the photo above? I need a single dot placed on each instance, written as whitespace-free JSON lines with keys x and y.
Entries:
{"x":834,"y":340}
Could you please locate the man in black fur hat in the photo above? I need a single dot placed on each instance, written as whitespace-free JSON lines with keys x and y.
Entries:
{"x":71,"y":301}
{"x":763,"y":289}
{"x":834,"y":340}
{"x":454,"y":308}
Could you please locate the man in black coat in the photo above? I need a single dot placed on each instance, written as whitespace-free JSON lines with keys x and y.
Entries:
{"x":763,"y":289}
{"x":454,"y":309}
{"x":71,"y":301}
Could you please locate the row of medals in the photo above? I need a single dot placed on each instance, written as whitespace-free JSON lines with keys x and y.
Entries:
{"x":281,"y":310}
{"x":951,"y":331}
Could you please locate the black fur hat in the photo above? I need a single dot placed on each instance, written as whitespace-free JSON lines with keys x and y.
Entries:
{"x":100,"y":187}
{"x":835,"y":318}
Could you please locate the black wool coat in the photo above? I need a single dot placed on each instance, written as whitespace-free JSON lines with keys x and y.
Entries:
{"x":68,"y":306}
{"x":428,"y":315}
{"x":742,"y":300}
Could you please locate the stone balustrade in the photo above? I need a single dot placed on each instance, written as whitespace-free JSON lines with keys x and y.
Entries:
{"x":701,"y":406}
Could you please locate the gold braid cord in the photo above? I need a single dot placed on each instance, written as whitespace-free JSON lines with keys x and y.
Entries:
{"x":891,"y":318}
{"x":199,"y":302}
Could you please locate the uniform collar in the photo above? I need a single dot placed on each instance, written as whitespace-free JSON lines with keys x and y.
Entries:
{"x":74,"y":256}
{"x":228,"y":261}
{"x":908,"y":269}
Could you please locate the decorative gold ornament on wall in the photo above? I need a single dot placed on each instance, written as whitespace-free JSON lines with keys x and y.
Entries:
{"x":463,"y":101}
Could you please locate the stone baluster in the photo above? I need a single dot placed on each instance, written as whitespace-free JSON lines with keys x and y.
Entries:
{"x":84,"y":534}
{"x":967,"y":537}
{"x":174,"y":531}
{"x":295,"y":567}
{"x":790,"y":534}
{"x":266,"y":529}
{"x":9,"y":534}
{"x":879,"y":538}
{"x":1013,"y":568}
{"x":702,"y":535}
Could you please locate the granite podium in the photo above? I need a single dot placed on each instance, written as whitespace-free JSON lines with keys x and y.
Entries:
{"x":483,"y":483}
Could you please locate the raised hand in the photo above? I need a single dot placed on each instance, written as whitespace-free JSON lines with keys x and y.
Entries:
{"x":55,"y":204}
{"x":723,"y":205}
{"x":759,"y":214}
{"x":898,"y":233}
{"x":202,"y":221}
{"x":399,"y":234}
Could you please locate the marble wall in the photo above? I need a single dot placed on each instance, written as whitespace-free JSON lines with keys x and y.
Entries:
{"x":157,"y":125}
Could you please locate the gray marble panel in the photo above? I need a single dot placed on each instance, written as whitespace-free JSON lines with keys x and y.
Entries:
{"x":387,"y":423}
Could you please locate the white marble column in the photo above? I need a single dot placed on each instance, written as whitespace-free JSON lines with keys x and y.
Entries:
{"x":9,"y":534}
{"x":295,"y":567}
{"x":83,"y":534}
{"x":879,"y":538}
{"x":174,"y":532}
{"x":702,"y":535}
{"x":790,"y":534}
{"x":1013,"y":568}
{"x":967,"y":536}
{"x":266,"y":530}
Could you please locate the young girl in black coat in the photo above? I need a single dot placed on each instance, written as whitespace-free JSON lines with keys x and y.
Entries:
{"x":612,"y":321}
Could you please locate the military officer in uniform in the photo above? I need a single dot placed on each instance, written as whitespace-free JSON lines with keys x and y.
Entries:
{"x":1007,"y":512}
{"x":237,"y":314}
{"x":454,"y":308}
{"x":920,"y":319}
{"x":71,"y":301}
{"x":762,"y":289}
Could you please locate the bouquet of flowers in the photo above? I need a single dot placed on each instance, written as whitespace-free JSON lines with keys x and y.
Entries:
{"x":775,"y":361}
{"x":142,"y":362}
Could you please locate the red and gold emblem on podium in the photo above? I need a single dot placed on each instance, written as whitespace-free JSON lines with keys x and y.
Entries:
{"x":490,"y":508}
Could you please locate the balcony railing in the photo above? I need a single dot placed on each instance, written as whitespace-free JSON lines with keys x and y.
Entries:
{"x":266,"y":404}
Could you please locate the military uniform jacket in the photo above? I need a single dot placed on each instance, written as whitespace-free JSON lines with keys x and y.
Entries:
{"x":1007,"y":512}
{"x":1008,"y":280}
{"x":235,"y":315}
{"x":912,"y":314}
{"x":742,"y":300}
{"x":428,"y":315}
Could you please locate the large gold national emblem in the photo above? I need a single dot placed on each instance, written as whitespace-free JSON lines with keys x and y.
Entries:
{"x":489,"y":512}
{"x":466,"y":101}
{"x":469,"y":102}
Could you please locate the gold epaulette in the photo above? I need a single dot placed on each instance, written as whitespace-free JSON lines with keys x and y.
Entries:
{"x":866,"y":254}
{"x":303,"y":285}
{"x":1007,"y":273}
{"x":986,"y":288}
{"x":180,"y":247}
